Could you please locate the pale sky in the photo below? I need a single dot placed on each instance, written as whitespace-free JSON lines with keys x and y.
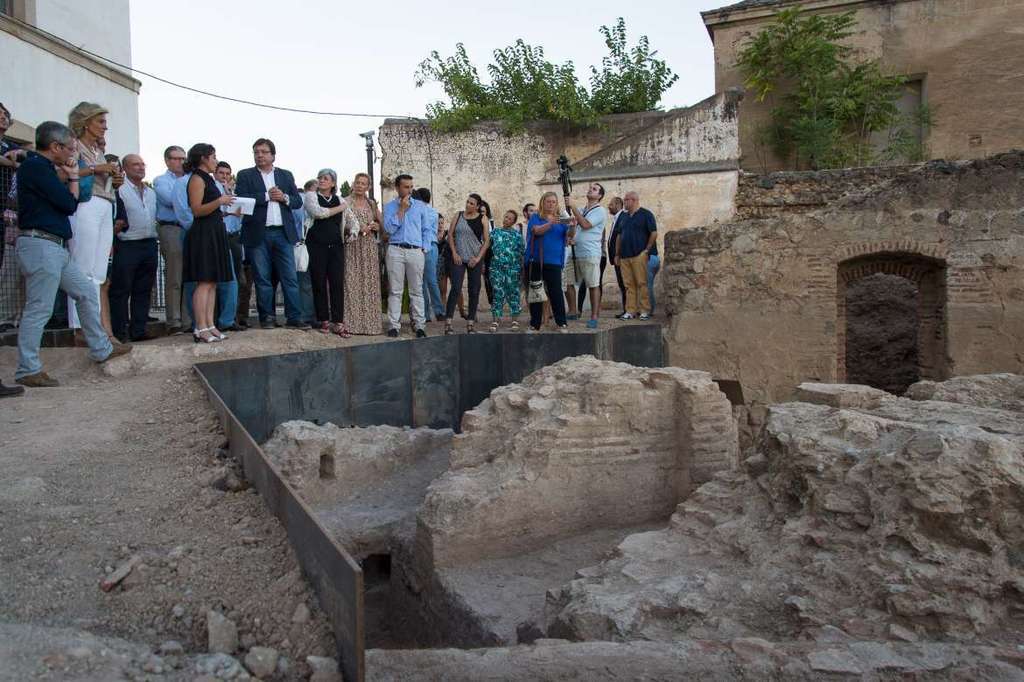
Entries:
{"x":328,"y":56}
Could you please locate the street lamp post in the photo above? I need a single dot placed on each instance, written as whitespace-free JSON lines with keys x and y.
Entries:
{"x":368,"y":136}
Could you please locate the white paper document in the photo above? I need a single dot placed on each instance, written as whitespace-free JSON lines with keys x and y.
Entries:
{"x":247,"y":204}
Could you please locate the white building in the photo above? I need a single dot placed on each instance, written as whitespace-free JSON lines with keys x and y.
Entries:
{"x":46,"y":72}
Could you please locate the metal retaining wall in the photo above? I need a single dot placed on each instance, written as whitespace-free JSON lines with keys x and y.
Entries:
{"x":422,"y":382}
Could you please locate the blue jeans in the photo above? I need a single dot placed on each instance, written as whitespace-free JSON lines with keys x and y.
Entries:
{"x":653,"y":266}
{"x":227,"y":300}
{"x":432,"y":304}
{"x":47,"y":267}
{"x":306,"y":298}
{"x":275,"y":253}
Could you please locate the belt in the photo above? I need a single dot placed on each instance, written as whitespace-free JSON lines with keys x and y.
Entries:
{"x":41,"y":234}
{"x":405,"y":245}
{"x":169,"y":222}
{"x":275,"y":227}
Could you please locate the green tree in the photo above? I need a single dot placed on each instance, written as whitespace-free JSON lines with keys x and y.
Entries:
{"x":345,"y":189}
{"x":828,"y":109}
{"x":629,"y":80}
{"x":524,"y":86}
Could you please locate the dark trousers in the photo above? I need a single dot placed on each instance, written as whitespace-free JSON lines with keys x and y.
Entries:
{"x":327,"y":277}
{"x":487,"y":277}
{"x":132,"y":276}
{"x":622,"y":286}
{"x":458,"y":272}
{"x":241,"y":276}
{"x":552,"y":276}
{"x":581,"y":296}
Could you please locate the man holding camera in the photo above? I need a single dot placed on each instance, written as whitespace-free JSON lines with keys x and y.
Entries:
{"x":589,"y":242}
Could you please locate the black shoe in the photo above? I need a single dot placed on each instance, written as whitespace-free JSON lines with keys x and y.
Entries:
{"x":393,"y":333}
{"x":440,"y":318}
{"x":233,"y":328}
{"x":244,"y":324}
{"x":146,"y":336}
{"x":421,"y":333}
{"x":295,"y":324}
{"x":268,"y":324}
{"x":10,"y":391}
{"x":174,"y":329}
{"x":277,"y":324}
{"x":150,"y":318}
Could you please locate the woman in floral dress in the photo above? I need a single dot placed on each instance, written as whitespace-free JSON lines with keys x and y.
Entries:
{"x":362,"y":273}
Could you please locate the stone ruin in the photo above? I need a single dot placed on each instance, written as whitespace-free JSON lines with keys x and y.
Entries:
{"x":600,"y":521}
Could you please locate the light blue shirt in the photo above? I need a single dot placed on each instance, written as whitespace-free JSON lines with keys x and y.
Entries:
{"x":589,"y":242}
{"x":164,"y":187}
{"x":182,"y":212}
{"x":415,"y":227}
{"x":432,"y":219}
{"x":232,"y":223}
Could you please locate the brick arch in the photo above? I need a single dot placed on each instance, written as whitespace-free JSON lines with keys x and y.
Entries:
{"x":927,"y":269}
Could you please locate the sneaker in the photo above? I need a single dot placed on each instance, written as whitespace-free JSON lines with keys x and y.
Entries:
{"x":119,"y":350}
{"x":267,"y":324}
{"x":591,"y":324}
{"x":10,"y":391}
{"x":564,"y":329}
{"x":619,"y":316}
{"x":421,"y":333}
{"x":295,"y":324}
{"x":38,"y":380}
{"x":392,"y":333}
{"x":572,"y":317}
{"x":644,"y":316}
{"x":626,"y":316}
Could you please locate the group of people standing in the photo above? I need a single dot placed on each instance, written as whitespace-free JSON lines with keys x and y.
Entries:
{"x":88,"y":224}
{"x":556,"y":252}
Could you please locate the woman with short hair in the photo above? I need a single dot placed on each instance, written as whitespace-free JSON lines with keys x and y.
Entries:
{"x":206,"y":254}
{"x":326,"y":243}
{"x":92,"y":226}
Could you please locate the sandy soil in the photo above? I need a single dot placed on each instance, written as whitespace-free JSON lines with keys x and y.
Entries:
{"x":121,"y":463}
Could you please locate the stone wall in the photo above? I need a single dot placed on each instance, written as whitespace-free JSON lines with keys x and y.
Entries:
{"x":580,"y":445}
{"x":762,"y":301}
{"x":966,"y":54}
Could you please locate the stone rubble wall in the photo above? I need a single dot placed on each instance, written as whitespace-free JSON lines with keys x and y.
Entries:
{"x":579,"y":445}
{"x":858,"y":516}
{"x":760,"y":300}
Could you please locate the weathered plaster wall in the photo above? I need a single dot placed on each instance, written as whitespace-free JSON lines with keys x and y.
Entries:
{"x":759,"y":300}
{"x":969,"y":52}
{"x":682,"y":163}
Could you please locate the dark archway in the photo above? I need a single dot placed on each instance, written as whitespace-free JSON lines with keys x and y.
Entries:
{"x":872,"y":326}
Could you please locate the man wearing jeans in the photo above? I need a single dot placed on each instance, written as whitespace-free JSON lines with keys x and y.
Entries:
{"x":44,"y":204}
{"x":407,"y":222}
{"x":270,"y":233}
{"x":170,"y":234}
{"x":432,"y":304}
{"x":639,"y":231}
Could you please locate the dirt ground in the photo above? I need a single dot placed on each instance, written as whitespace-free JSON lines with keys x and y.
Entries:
{"x":125,"y":463}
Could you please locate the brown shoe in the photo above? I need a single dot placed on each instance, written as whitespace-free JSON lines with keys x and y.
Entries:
{"x":119,"y":350}
{"x":37,"y":380}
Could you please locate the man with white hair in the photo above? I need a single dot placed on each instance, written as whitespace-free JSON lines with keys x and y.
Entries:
{"x":639,"y":232}
{"x":135,"y":252}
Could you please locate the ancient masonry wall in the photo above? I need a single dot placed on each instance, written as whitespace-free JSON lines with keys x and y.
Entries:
{"x":580,"y":445}
{"x":762,"y":301}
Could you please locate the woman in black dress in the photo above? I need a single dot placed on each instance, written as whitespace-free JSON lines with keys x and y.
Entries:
{"x":206,"y":253}
{"x":326,"y":243}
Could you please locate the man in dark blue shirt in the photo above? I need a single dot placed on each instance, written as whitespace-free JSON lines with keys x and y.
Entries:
{"x":636,"y":242}
{"x":44,"y":204}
